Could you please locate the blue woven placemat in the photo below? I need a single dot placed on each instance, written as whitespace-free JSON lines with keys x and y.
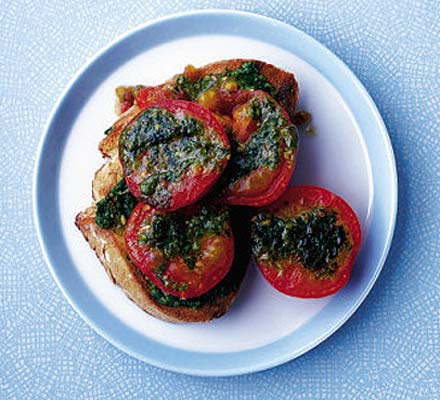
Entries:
{"x":390,"y":349}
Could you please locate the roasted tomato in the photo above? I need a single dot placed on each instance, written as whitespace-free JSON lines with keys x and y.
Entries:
{"x":141,"y":96}
{"x":173,"y":153}
{"x":145,"y":95}
{"x":186,"y":252}
{"x":265,"y":146}
{"x":305,"y":243}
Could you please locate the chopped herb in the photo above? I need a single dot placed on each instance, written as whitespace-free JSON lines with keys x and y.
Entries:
{"x":169,"y":300}
{"x":114,"y":209}
{"x":265,"y":146}
{"x":314,"y":237}
{"x":193,"y":89}
{"x":247,"y":76}
{"x":178,"y":235}
{"x":168,"y":146}
{"x":148,"y":186}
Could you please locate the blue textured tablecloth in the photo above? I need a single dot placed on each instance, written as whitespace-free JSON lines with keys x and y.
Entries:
{"x":388,"y":350}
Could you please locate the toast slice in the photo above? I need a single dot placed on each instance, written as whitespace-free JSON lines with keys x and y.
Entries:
{"x":284,"y":83}
{"x":106,"y":177}
{"x":109,"y":246}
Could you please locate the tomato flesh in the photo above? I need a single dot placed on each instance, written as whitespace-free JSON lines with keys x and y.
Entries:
{"x":289,"y":274}
{"x":147,"y":95}
{"x":261,"y":186}
{"x":196,"y":177}
{"x":174,"y":274}
{"x":265,"y":183}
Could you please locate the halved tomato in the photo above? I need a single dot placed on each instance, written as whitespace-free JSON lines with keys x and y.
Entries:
{"x":265,"y":145}
{"x":145,"y":95}
{"x":186,"y":252}
{"x":305,"y":243}
{"x":173,"y":153}
{"x":141,"y":96}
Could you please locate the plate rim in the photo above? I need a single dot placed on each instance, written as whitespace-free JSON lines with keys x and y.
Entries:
{"x":260,"y":364}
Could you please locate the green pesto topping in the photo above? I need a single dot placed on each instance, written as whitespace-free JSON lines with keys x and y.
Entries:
{"x":240,"y":224}
{"x":192,"y":89}
{"x":176,"y":234}
{"x":247,"y":76}
{"x":229,"y":284}
{"x":265,"y":147}
{"x":314,"y":237}
{"x":167,"y":146}
{"x":224,"y":288}
{"x":114,"y":209}
{"x":169,"y":300}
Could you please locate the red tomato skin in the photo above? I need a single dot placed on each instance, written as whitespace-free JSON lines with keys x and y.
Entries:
{"x":124,"y":106}
{"x":191,"y":188}
{"x":276,"y":190}
{"x":296,"y":280}
{"x":149,"y":94}
{"x":146,"y":259}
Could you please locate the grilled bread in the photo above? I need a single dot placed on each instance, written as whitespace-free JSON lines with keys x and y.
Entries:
{"x":109,"y":246}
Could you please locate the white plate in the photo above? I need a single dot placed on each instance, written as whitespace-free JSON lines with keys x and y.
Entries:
{"x":350,"y":155}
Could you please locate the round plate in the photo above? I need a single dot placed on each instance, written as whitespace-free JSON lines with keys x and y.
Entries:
{"x":350,"y":154}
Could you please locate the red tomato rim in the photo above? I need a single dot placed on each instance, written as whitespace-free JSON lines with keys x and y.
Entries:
{"x":146,"y":95}
{"x":189,"y":193}
{"x":280,"y":184}
{"x":274,"y":192}
{"x":143,"y":257}
{"x":306,"y":285}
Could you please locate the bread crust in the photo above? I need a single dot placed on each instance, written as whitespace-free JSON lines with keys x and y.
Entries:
{"x":106,"y":177}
